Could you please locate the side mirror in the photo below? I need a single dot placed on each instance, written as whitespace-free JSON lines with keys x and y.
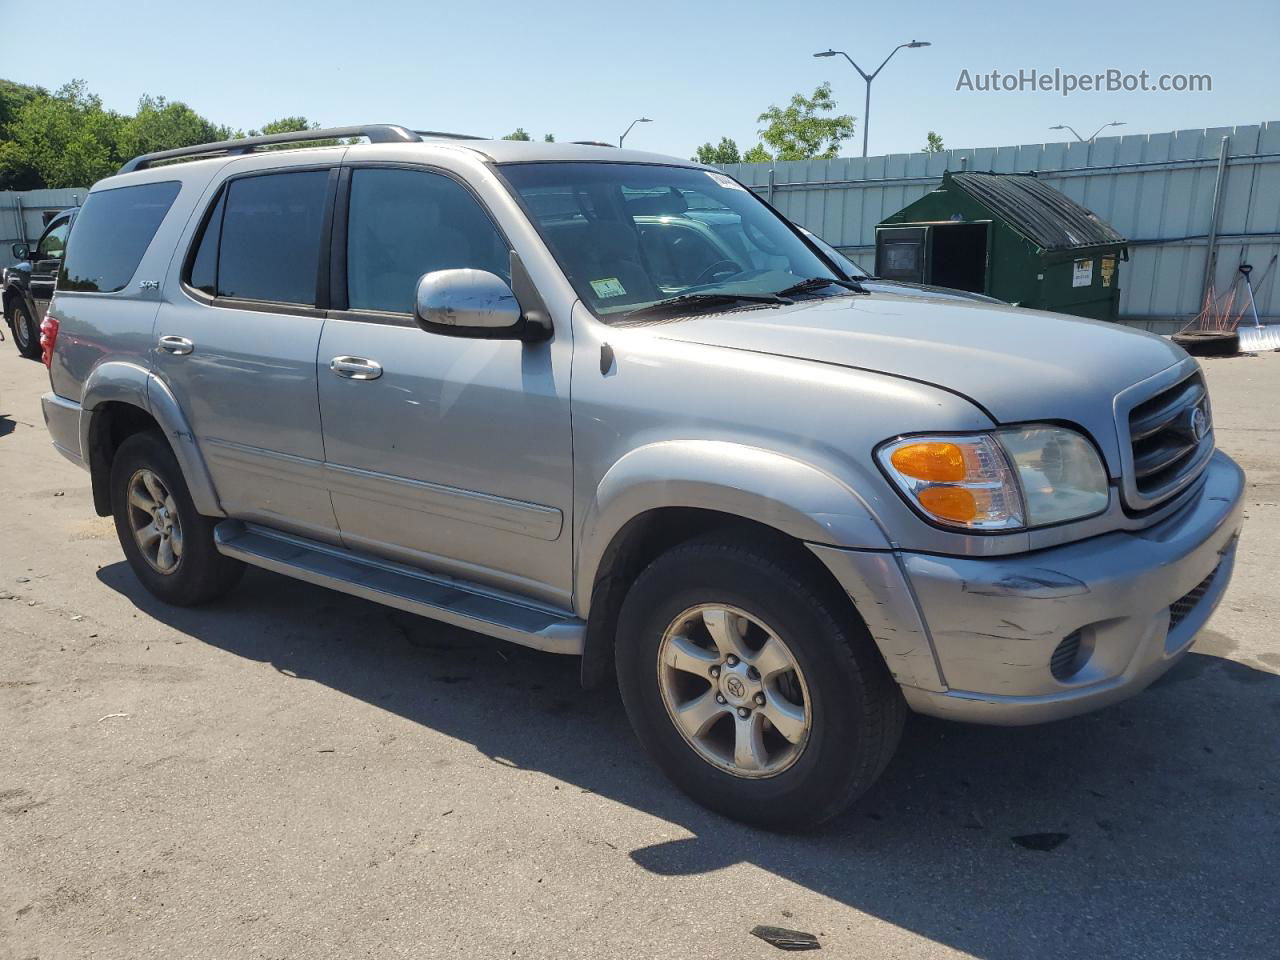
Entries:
{"x":22,"y":251}
{"x":468,"y":303}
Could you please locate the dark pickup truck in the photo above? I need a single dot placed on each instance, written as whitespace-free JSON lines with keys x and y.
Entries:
{"x":28,"y":284}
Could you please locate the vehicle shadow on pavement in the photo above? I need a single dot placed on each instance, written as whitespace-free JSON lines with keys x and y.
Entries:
{"x":1149,"y":829}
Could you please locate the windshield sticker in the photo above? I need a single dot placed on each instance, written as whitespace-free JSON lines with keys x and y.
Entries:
{"x":724,"y":181}
{"x":608,"y":287}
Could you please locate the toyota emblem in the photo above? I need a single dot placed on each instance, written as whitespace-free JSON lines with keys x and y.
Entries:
{"x":1199,"y":424}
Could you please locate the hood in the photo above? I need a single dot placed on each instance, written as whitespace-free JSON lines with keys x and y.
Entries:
{"x":1018,"y":365}
{"x":877,"y":285}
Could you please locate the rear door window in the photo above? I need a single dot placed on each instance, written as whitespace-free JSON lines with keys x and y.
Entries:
{"x":112,"y":232}
{"x":261,"y":241}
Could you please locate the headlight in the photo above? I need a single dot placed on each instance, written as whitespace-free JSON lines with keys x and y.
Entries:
{"x":1006,"y":480}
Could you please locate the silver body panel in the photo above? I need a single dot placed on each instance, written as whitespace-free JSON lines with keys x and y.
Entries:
{"x":511,"y":467}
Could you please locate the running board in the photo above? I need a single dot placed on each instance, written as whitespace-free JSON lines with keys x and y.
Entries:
{"x":394,"y":585}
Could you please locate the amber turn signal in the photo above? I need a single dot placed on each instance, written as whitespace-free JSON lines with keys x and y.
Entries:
{"x":931,"y":460}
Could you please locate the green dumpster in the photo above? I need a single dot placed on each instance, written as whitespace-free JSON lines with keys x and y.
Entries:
{"x":1010,"y":236}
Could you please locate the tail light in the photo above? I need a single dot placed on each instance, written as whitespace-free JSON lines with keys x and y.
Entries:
{"x":48,"y":337}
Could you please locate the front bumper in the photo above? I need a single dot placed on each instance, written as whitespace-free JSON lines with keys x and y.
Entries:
{"x":62,"y":417}
{"x":991,"y":626}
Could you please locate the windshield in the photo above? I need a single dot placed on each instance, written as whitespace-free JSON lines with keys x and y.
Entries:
{"x":630,"y":235}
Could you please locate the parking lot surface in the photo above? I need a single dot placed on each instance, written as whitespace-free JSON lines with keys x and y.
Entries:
{"x":297,"y":774}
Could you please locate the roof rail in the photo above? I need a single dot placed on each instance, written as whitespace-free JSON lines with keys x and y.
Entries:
{"x":375,"y":132}
{"x":442,"y":135}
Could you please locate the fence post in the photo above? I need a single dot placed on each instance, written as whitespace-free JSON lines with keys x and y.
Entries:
{"x":1211,"y":254}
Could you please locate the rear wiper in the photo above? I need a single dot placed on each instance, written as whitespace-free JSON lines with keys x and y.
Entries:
{"x":814,"y":283}
{"x":676,"y":304}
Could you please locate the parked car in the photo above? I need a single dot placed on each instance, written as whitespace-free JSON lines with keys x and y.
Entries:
{"x":880,"y":285}
{"x":28,"y":284}
{"x":505,"y":385}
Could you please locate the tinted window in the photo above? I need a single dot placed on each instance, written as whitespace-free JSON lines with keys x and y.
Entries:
{"x":404,"y":223}
{"x":112,"y":233}
{"x":54,"y":243}
{"x":266,"y":237}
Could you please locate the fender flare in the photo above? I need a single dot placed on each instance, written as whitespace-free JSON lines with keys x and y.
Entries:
{"x":789,"y":495}
{"x":119,"y":381}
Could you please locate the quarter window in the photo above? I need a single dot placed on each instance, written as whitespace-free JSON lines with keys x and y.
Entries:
{"x":112,"y":233}
{"x":262,"y":239}
{"x":404,"y":223}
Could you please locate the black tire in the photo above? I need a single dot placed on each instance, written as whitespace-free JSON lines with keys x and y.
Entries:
{"x":1209,"y":343}
{"x":857,"y":709}
{"x":26,"y":334}
{"x":201,"y":573}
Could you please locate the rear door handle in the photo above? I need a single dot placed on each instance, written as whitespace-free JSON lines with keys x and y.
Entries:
{"x":356,"y":368}
{"x":179,"y":346}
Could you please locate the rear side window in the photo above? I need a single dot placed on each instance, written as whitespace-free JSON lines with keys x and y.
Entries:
{"x":112,"y":233}
{"x":262,"y":239}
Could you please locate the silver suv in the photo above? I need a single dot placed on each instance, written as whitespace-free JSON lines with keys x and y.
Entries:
{"x":611,"y":404}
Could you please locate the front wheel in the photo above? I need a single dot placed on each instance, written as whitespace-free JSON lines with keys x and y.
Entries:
{"x":26,"y":335}
{"x":753,"y":687}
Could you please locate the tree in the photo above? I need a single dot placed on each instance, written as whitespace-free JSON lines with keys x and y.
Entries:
{"x":724,"y":152}
{"x":933,"y":143}
{"x":757,"y":154}
{"x":518,"y":134}
{"x":67,"y":139}
{"x":799,"y":131}
{"x":16,"y":173}
{"x":161,"y":125}
{"x":549,"y":138}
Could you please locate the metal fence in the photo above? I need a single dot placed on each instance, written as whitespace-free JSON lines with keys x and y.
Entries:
{"x":1176,"y":196}
{"x":22,"y":213}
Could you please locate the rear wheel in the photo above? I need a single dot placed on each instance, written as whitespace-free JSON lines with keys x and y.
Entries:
{"x":167,"y":542}
{"x":756,"y":691}
{"x":26,"y":335}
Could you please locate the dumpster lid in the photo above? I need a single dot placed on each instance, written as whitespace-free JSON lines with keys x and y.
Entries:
{"x":1045,"y":216}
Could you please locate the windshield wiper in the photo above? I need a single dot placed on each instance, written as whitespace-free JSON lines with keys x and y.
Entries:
{"x":692,"y":300}
{"x":815,"y":283}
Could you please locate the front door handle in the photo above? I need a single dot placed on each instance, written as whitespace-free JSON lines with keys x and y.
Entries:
{"x":179,"y":346}
{"x":356,"y":368}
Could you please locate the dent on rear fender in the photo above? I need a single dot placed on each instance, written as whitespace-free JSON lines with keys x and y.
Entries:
{"x":788,"y":495}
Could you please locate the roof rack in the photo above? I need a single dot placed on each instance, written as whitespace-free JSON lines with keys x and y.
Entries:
{"x":442,"y":135}
{"x":375,"y":132}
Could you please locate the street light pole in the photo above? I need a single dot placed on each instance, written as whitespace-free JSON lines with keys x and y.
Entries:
{"x":628,"y":130}
{"x":1067,"y":126}
{"x":868,"y":77}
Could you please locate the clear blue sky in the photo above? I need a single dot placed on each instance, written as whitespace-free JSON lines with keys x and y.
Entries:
{"x":583,"y":69}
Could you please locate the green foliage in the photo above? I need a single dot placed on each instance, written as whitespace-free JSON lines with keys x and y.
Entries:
{"x":726,"y":151}
{"x":757,"y":154}
{"x":549,"y":138}
{"x":518,"y":134}
{"x":68,"y":139}
{"x":801,"y":130}
{"x":933,"y":143}
{"x":161,"y":125}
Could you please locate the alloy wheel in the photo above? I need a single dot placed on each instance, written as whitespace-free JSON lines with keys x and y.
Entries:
{"x":154,"y":520}
{"x":734,"y":690}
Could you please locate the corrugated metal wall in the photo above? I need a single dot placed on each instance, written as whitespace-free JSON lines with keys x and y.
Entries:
{"x":21,"y":213}
{"x":1156,"y":189}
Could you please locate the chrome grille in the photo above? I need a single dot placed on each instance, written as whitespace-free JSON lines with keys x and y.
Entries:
{"x":1172,"y":437}
{"x":1181,"y":608}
